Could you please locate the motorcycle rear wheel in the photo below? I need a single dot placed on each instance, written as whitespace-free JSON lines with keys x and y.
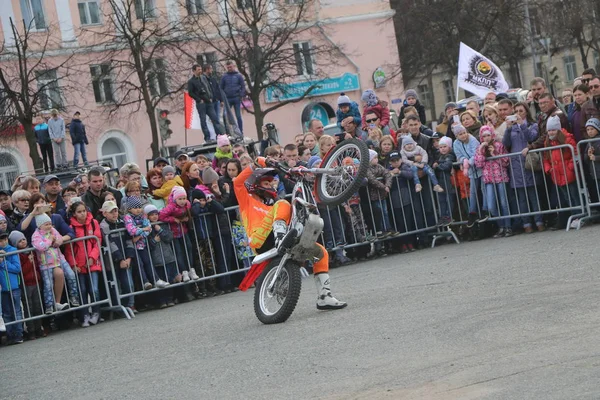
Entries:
{"x":334,"y":189}
{"x":277,"y":305}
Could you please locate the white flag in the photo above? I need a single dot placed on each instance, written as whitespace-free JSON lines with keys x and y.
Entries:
{"x":478,"y":74}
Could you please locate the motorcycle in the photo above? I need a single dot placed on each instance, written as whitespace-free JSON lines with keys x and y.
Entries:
{"x":278,"y":272}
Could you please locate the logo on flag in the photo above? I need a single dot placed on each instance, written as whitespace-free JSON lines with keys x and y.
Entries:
{"x":192,"y":118}
{"x":478,"y":74}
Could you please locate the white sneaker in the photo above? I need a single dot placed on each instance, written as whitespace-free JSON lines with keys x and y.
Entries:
{"x":193,"y":274}
{"x":325,"y":300}
{"x":162,"y":284}
{"x":60,"y":307}
{"x":147,"y":286}
{"x":576,"y":224}
{"x":2,"y":326}
{"x":186,"y":276}
{"x":86,"y":321}
{"x":94,"y":318}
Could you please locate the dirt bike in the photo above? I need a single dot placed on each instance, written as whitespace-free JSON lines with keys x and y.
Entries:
{"x":339,"y":177}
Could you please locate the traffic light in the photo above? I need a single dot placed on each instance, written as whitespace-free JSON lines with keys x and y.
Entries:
{"x":164,"y":124}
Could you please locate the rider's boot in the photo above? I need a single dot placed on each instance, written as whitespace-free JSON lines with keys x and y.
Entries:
{"x":325,"y":300}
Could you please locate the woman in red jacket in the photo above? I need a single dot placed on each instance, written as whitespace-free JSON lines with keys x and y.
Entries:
{"x":559,"y":164}
{"x":84,"y":258}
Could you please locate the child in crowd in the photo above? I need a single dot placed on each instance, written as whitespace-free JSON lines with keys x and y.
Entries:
{"x":347,"y":109}
{"x":386,"y":147}
{"x":246,"y":160}
{"x":311,"y":142}
{"x":161,"y":251}
{"x":67,"y":194}
{"x":47,"y":241}
{"x":495,"y":177}
{"x":303,"y":153}
{"x":443,"y":168}
{"x":84,"y":257}
{"x":378,"y":107}
{"x":465,"y":147}
{"x":375,"y":137}
{"x":203,"y":162}
{"x":592,"y":151}
{"x":401,"y":197}
{"x":177,"y":215}
{"x":138,"y":227}
{"x":121,"y":248}
{"x":170,"y":180}
{"x":559,"y":164}
{"x":223,"y":152}
{"x":380,"y":182}
{"x":30,"y":288}
{"x":326,"y":143}
{"x":416,"y":157}
{"x":10,"y":268}
{"x":3,"y":223}
{"x":274,"y":153}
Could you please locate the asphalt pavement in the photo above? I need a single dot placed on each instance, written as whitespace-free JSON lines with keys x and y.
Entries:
{"x":513,"y":318}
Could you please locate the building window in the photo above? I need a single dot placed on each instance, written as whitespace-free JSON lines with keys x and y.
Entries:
{"x":102,"y":83}
{"x":9,"y":170}
{"x":425,"y":95}
{"x":144,"y":9}
{"x":157,"y":78}
{"x":209,"y":58}
{"x":33,"y":14}
{"x":89,"y":12}
{"x":596,"y":62}
{"x":194,"y":7}
{"x":534,"y":22}
{"x":242,"y":4}
{"x":570,"y":68}
{"x":49,"y":92}
{"x":303,"y":56}
{"x":448,"y":91}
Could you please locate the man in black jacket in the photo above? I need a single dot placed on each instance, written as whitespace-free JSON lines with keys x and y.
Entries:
{"x":78,"y":138}
{"x":92,"y":198}
{"x":200,"y":89}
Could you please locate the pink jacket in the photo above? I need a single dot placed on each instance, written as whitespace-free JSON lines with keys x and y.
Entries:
{"x":48,"y":254}
{"x":172,"y":211}
{"x":496,"y":170}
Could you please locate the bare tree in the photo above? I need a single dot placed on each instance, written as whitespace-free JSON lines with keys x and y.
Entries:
{"x":271,"y":43}
{"x":30,"y":82}
{"x":142,"y":55}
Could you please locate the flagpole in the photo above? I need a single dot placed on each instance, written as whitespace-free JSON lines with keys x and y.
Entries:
{"x":186,"y":137}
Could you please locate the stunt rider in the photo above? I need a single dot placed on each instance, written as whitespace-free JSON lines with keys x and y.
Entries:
{"x":266,"y":218}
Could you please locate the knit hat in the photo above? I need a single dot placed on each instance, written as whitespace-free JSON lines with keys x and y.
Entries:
{"x":446,"y":141}
{"x":372,"y":154}
{"x":15,"y":237}
{"x":178,"y":192}
{"x":408,"y":140}
{"x":553,"y":123}
{"x":74,"y":200}
{"x":450,"y":105}
{"x":198,"y":194}
{"x":209,"y":176}
{"x":42,"y":219}
{"x":222,"y":140}
{"x":133,"y":202}
{"x":168,"y":169}
{"x":369,"y":97}
{"x":343,"y":100}
{"x":594,"y":123}
{"x":412,"y":93}
{"x":3,"y":217}
{"x":486,"y":129}
{"x":456,"y":129}
{"x":150,"y":208}
{"x":395,"y":155}
{"x":313,"y":160}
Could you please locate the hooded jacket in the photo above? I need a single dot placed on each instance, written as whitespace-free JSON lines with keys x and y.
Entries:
{"x":233,"y":85}
{"x":352,"y":112}
{"x":42,"y":136}
{"x":80,"y":252}
{"x":559,"y":163}
{"x":161,"y":250}
{"x":172,"y":211}
{"x":381,"y":110}
{"x":515,"y":140}
{"x":77,"y":131}
{"x":10,"y":269}
{"x":48,"y":254}
{"x":494,"y":171}
{"x":119,"y":243}
{"x":467,"y":151}
{"x":135,"y":227}
{"x":420,"y":109}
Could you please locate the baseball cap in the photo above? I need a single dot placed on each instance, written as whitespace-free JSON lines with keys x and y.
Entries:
{"x":5,"y":192}
{"x":108,"y":206}
{"x":50,"y":178}
{"x":4,"y":235}
{"x":180,"y":153}
{"x":395,"y":154}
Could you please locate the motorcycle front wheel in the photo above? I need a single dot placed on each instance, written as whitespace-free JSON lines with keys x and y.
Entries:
{"x":350,"y":160}
{"x":276,"y":305}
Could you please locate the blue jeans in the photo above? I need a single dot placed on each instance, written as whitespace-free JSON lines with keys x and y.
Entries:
{"x":527,"y":200}
{"x":183,"y":251}
{"x":48,"y":282}
{"x":474,"y":196}
{"x":496,"y":193}
{"x":236,"y":104}
{"x":205,"y":109}
{"x":217,"y":107}
{"x":11,"y":311}
{"x":88,"y":286}
{"x":446,"y":204}
{"x":144,"y":264}
{"x":568,"y":196}
{"x":380,"y":209}
{"x":79,"y":148}
{"x":125,"y":282}
{"x":427,"y":169}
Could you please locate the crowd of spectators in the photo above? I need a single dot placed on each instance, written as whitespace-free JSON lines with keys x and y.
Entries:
{"x":174,"y":235}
